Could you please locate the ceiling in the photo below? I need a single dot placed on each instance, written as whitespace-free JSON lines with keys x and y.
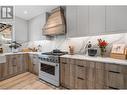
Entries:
{"x":28,"y":12}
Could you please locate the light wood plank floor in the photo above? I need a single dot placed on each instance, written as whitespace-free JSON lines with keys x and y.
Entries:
{"x":25,"y":81}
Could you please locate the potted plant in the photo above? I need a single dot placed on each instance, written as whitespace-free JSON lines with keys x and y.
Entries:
{"x":102,"y":45}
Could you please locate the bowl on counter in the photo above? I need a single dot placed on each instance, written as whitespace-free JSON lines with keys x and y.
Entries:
{"x":92,"y":52}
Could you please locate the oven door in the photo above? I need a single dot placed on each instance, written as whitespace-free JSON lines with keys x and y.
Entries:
{"x":49,"y":71}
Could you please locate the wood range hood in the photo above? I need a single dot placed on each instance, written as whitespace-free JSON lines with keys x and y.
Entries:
{"x":55,"y":24}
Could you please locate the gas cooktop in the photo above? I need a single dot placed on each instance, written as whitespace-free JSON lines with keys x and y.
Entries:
{"x":55,"y":52}
{"x":53,"y":56}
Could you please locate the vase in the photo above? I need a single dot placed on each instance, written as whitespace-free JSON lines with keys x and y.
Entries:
{"x":102,"y":52}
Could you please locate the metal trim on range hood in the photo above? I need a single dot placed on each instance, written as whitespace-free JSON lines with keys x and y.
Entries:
{"x":56,"y":23}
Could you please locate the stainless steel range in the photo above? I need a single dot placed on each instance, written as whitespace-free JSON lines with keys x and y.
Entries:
{"x":49,"y":66}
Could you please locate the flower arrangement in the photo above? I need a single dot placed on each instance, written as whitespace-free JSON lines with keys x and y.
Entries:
{"x":102,"y":45}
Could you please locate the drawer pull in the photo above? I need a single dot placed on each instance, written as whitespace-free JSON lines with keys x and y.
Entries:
{"x":64,"y":63}
{"x":80,"y":78}
{"x":80,"y":65}
{"x":113,"y":87}
{"x":114,"y":72}
{"x":14,"y":65}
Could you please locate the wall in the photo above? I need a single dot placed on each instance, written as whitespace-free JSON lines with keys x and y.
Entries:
{"x":21,"y":30}
{"x":35,"y":27}
{"x":79,"y":43}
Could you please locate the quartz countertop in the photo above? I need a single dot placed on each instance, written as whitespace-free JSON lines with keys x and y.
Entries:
{"x":11,"y":53}
{"x":97,"y":59}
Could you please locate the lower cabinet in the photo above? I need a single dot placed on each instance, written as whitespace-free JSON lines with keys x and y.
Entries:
{"x":67,"y":73}
{"x":81,"y":74}
{"x":33,"y":64}
{"x":15,"y":64}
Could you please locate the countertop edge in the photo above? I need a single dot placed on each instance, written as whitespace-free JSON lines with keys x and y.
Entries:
{"x":97,"y":59}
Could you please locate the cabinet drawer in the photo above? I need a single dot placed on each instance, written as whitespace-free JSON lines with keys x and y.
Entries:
{"x":114,"y":80}
{"x":81,"y":63}
{"x":113,"y":68}
{"x":81,"y":71}
{"x":80,"y":83}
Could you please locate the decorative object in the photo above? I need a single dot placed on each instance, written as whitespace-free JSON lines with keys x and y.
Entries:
{"x":118,"y":48}
{"x":14,"y":45}
{"x":118,"y":51}
{"x":92,"y":52}
{"x":102,"y":45}
{"x":71,"y":50}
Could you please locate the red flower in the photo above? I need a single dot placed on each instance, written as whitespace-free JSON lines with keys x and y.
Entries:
{"x":102,"y":43}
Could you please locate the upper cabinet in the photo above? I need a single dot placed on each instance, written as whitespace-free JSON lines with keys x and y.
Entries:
{"x":71,"y":21}
{"x":85,"y":20}
{"x":82,"y":21}
{"x":96,"y":20}
{"x":77,"y":21}
{"x":116,"y":19}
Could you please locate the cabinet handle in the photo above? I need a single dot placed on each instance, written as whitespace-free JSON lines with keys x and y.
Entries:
{"x":80,"y":78}
{"x":64,"y":63}
{"x":14,"y":65}
{"x":80,"y":65}
{"x":113,"y":87}
{"x":114,"y":72}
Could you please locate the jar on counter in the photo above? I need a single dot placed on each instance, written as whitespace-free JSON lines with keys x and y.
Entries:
{"x":1,"y":50}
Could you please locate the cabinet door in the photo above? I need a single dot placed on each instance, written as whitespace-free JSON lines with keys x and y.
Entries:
{"x":22,"y":65}
{"x":12,"y":65}
{"x":71,"y":19}
{"x":96,"y":20}
{"x":65,"y":73}
{"x":25,"y":59}
{"x":82,"y":21}
{"x":0,"y":71}
{"x":81,"y":73}
{"x":116,"y":21}
{"x":5,"y":67}
{"x":114,"y":80}
{"x":72,"y":73}
{"x":34,"y":64}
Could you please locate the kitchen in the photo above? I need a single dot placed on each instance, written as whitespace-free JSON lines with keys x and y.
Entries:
{"x":64,"y":47}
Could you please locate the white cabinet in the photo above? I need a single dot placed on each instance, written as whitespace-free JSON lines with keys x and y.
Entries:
{"x":21,"y":30}
{"x":71,"y":19}
{"x":85,"y":20}
{"x":82,"y":21}
{"x":77,"y":21}
{"x":116,"y":19}
{"x":96,"y":20}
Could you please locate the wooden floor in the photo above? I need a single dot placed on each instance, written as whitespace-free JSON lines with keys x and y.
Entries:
{"x":25,"y":81}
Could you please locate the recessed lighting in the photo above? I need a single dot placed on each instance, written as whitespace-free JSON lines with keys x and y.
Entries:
{"x":25,"y":12}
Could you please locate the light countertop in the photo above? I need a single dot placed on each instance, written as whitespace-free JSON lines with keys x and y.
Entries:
{"x":97,"y":59}
{"x":11,"y":53}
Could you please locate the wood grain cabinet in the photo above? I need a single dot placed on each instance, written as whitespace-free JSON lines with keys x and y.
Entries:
{"x":33,"y":64}
{"x":116,"y":76}
{"x":15,"y":64}
{"x":67,"y":73}
{"x":82,"y":74}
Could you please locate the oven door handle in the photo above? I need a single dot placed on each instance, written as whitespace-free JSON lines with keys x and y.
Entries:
{"x":49,"y":63}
